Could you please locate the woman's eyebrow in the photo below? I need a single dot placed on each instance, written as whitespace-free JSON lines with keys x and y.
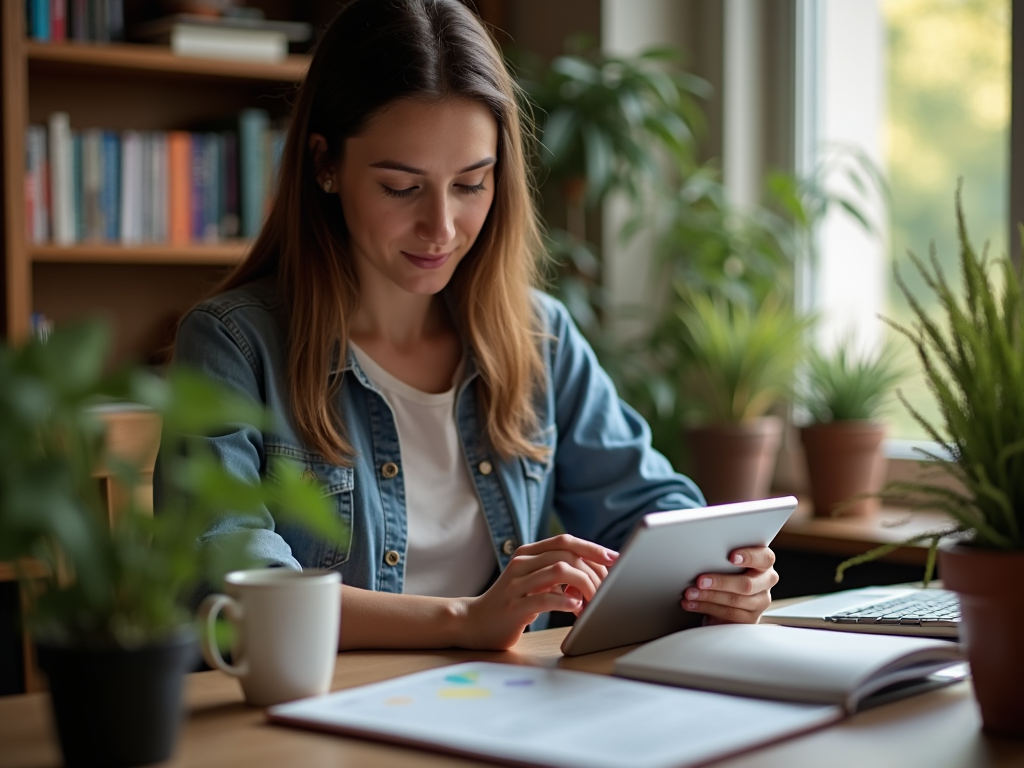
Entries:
{"x":393,"y":165}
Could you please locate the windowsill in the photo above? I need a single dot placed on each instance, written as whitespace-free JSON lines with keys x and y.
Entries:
{"x":847,"y":537}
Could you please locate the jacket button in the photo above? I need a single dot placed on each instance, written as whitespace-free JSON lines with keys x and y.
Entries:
{"x":509,"y":547}
{"x":392,"y":557}
{"x":485,"y":468}
{"x":389,"y":470}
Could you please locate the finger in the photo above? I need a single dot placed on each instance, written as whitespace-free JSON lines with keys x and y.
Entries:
{"x":750,"y":582}
{"x":549,"y":601}
{"x":523,"y":565}
{"x":727,"y":614}
{"x":580,"y":547}
{"x":695,"y":599}
{"x":761,"y":558}
{"x":553,"y":577}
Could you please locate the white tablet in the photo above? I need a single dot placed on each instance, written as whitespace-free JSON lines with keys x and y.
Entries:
{"x":667,"y":551}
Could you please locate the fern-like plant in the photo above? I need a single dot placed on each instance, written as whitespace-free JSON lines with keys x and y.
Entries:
{"x":737,"y":363}
{"x":973,"y":359}
{"x":841,"y":386}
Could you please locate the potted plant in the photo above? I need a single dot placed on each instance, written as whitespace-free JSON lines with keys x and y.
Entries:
{"x":973,"y":360}
{"x":735,"y":364}
{"x":843,"y":394}
{"x":110,"y":617}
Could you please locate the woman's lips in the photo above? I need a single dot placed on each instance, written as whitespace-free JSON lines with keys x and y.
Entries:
{"x":427,"y":260}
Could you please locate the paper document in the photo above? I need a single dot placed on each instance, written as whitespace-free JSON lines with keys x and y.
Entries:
{"x":554,"y":717}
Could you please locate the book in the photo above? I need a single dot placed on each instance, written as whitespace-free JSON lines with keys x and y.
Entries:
{"x":853,"y":671}
{"x":36,"y":183}
{"x":179,"y":144}
{"x":253,"y":125}
{"x":61,"y":182}
{"x":224,"y":37}
{"x":553,"y":717}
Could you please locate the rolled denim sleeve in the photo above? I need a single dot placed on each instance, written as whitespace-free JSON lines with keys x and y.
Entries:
{"x":216,"y":347}
{"x":607,"y":473}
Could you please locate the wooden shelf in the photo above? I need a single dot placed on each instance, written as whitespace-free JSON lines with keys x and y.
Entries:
{"x":847,"y":537}
{"x":128,"y":58}
{"x":114,"y":253}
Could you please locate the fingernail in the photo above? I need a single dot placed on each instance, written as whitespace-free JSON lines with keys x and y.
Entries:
{"x":612,"y":554}
{"x":737,"y":559}
{"x":692,"y":594}
{"x":690,"y":606}
{"x":704,"y":583}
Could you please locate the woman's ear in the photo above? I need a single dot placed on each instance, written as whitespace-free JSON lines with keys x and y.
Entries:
{"x":324,"y":175}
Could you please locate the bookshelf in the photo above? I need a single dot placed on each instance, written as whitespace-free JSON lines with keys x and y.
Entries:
{"x":142,"y":289}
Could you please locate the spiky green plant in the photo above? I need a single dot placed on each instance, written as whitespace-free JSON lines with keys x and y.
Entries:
{"x":738,"y":363}
{"x":842,"y":386}
{"x":973,"y":359}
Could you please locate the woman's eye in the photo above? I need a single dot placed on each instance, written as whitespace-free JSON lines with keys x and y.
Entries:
{"x":390,"y":192}
{"x":472,"y":189}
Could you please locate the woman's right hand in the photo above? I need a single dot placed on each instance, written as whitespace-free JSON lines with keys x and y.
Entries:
{"x":557,"y":574}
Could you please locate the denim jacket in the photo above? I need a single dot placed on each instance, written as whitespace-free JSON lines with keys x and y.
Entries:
{"x":601,"y":475}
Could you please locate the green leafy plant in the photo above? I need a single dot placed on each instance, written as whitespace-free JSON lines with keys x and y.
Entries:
{"x":842,"y":386}
{"x":125,"y":581}
{"x":736,"y":363}
{"x":973,"y":360}
{"x":606,"y":122}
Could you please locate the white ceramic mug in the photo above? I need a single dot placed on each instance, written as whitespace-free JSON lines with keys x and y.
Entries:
{"x":286,"y":631}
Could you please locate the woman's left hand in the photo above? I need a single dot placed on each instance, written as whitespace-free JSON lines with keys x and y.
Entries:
{"x":735,"y":598}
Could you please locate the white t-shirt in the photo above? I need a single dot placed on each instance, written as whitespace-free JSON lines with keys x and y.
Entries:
{"x":449,"y":552}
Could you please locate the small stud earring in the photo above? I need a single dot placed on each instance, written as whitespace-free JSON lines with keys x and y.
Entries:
{"x":327,"y":185}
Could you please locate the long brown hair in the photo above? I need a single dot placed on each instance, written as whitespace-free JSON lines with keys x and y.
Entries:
{"x":376,"y":51}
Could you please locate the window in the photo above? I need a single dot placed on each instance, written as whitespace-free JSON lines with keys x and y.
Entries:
{"x":922,"y":87}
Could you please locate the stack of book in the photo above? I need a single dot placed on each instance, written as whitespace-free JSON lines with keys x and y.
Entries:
{"x":134,"y":187}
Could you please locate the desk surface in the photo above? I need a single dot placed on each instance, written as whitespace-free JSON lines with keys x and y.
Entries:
{"x":940,"y":729}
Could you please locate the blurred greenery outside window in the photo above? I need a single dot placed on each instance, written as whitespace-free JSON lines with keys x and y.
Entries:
{"x":947,"y":117}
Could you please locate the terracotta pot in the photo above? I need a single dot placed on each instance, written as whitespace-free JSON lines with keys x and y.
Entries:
{"x":992,"y":627}
{"x":844,"y":458}
{"x":734,"y":462}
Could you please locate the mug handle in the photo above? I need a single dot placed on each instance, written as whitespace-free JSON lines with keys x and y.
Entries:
{"x":208,"y":612}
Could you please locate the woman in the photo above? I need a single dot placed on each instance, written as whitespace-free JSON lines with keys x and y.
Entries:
{"x":386,"y":317}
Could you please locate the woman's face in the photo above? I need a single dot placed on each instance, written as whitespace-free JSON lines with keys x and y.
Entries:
{"x":416,"y":186}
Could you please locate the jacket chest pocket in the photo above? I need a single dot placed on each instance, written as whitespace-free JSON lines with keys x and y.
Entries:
{"x":338,"y":485}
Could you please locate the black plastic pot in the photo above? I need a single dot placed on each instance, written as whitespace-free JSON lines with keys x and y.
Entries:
{"x":118,"y":707}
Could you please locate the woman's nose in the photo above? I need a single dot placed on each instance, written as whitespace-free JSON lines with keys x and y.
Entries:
{"x":436,"y":224}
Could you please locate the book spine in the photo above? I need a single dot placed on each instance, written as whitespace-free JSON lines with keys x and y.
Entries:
{"x":110,"y":191}
{"x":131,"y":191}
{"x":180,"y":173}
{"x":92,"y":183}
{"x":39,"y":20}
{"x":98,"y":30}
{"x":77,"y":186}
{"x":198,"y":151}
{"x":60,"y":178}
{"x":79,"y":17}
{"x":35,"y":191}
{"x":115,"y":20}
{"x":252,"y":129}
{"x":229,"y":223}
{"x":161,"y":188}
{"x":212,"y":201}
{"x":58,"y":20}
{"x":146,"y":186}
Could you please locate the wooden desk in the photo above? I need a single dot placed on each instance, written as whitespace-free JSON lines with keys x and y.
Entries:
{"x":940,"y":729}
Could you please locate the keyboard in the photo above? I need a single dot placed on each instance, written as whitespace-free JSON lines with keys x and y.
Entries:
{"x":930,"y":608}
